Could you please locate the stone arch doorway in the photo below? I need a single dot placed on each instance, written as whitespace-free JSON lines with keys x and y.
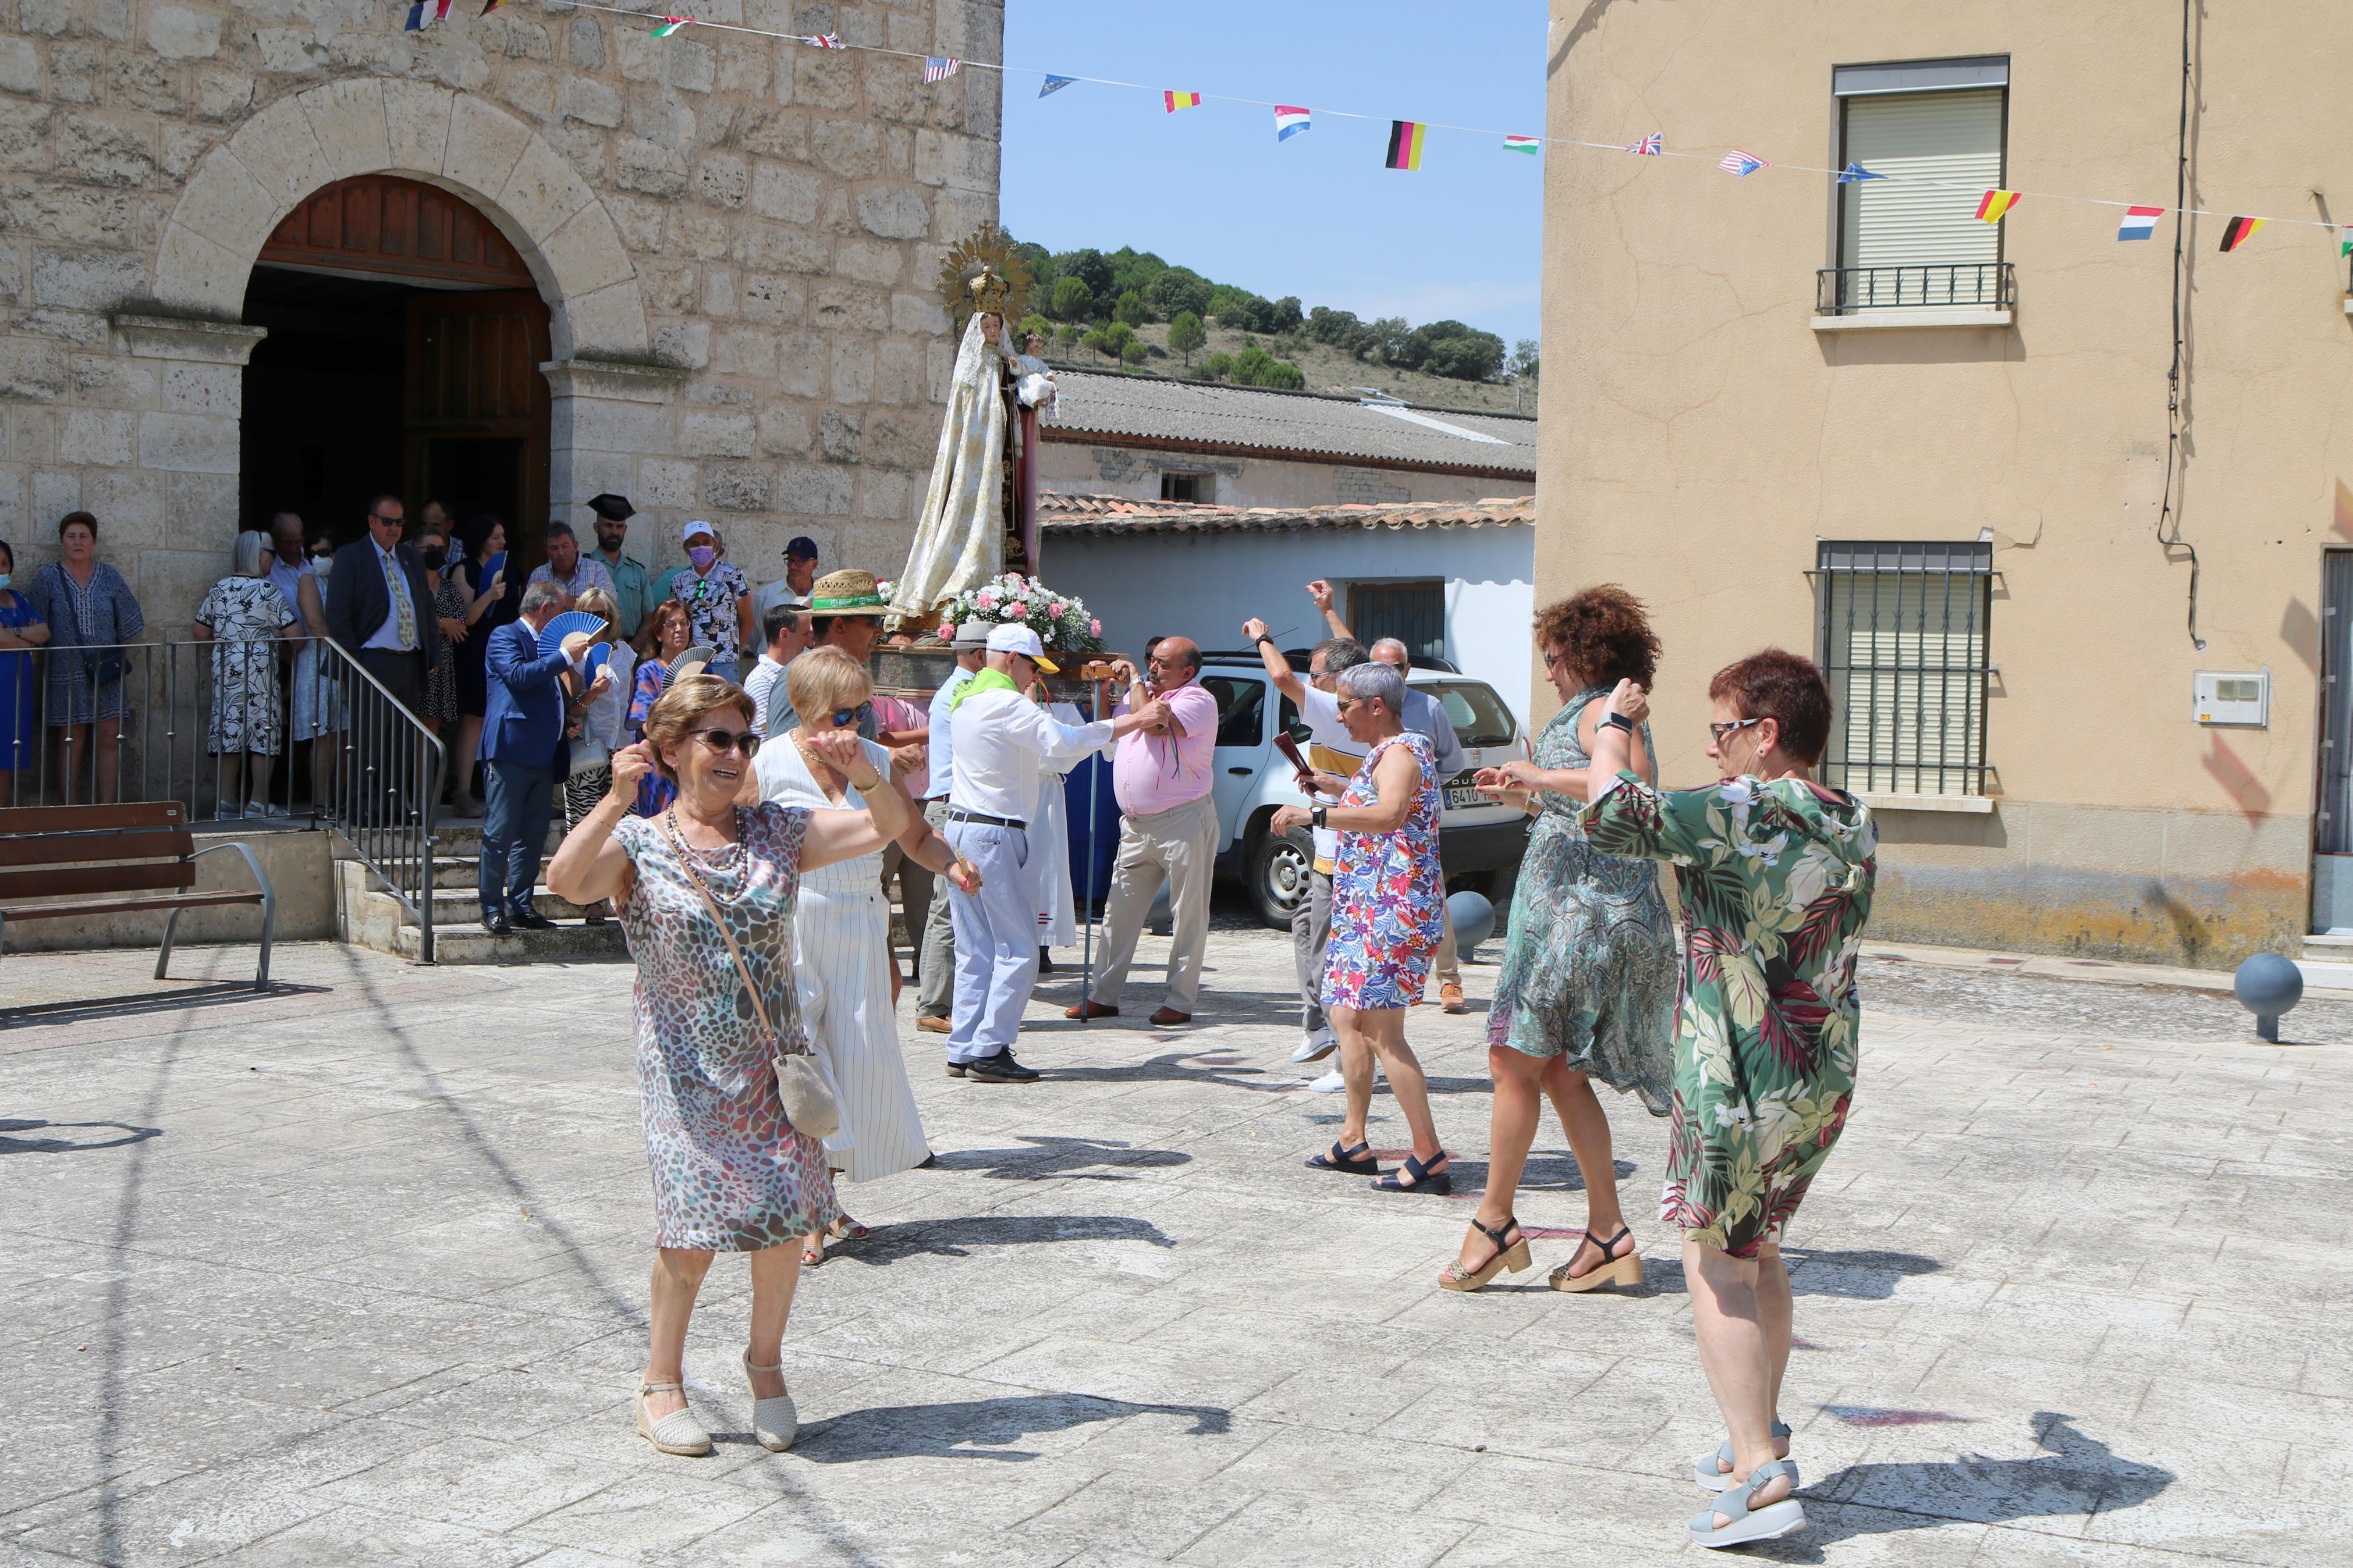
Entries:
{"x":404,"y":340}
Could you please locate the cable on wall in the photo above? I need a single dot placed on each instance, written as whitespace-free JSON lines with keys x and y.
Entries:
{"x":2168,"y":511}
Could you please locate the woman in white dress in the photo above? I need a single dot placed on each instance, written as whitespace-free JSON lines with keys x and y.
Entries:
{"x":841,"y":937}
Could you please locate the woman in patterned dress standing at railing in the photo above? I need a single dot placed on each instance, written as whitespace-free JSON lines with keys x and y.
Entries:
{"x":88,"y":606}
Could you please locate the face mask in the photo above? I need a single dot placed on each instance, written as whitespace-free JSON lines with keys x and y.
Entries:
{"x":4,"y":580}
{"x":703,"y":555}
{"x":433,"y":556}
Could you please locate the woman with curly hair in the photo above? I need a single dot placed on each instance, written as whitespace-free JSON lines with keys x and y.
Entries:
{"x":1587,"y":987}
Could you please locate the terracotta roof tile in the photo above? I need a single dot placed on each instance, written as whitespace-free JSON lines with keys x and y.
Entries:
{"x":1104,"y":515}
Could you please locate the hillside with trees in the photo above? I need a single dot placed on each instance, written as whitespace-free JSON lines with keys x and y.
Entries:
{"x":1129,"y":309}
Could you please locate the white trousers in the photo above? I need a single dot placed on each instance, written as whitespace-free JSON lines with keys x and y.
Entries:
{"x":995,"y":940}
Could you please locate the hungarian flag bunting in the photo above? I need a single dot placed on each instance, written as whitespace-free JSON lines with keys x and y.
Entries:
{"x":2139,"y":222}
{"x":2240,"y":230}
{"x":2345,"y":240}
{"x":1995,"y":204}
{"x":1405,"y":143}
{"x":1521,"y":144}
{"x":1175,"y":100}
{"x":670,"y":24}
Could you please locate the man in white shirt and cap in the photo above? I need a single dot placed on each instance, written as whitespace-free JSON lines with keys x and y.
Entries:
{"x":935,"y":967}
{"x":999,"y":737}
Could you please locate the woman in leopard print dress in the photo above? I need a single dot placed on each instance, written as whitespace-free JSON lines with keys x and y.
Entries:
{"x":730,"y":1174}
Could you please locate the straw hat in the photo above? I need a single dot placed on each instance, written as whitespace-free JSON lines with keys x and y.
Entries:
{"x":847,"y":592}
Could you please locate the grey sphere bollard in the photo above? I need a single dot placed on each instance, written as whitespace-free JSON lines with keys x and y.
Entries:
{"x":2267,"y":985}
{"x":1474,"y":918}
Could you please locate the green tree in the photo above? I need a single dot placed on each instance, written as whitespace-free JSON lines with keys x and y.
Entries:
{"x":1068,"y":334}
{"x":1089,"y":266}
{"x":1453,"y":350}
{"x":1334,"y":328}
{"x":1217,"y":366}
{"x":1111,"y":341}
{"x":1179,"y":290}
{"x":1134,"y":353}
{"x":1256,"y":367}
{"x":1523,"y":364}
{"x":1383,"y":341}
{"x":1134,"y":269}
{"x":1186,"y":333}
{"x":1073,"y":301}
{"x":1041,"y":265}
{"x":1131,"y":310}
{"x":1286,"y":316}
{"x":1032,"y":325}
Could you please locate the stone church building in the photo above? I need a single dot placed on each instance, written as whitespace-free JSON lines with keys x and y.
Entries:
{"x":284,"y":254}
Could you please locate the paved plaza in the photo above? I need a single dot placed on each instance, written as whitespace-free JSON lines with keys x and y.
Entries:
{"x":354,"y":1272}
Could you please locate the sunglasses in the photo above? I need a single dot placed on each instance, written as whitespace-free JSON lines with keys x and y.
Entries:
{"x":721,"y":741}
{"x":1726,"y":729}
{"x":843,"y":718}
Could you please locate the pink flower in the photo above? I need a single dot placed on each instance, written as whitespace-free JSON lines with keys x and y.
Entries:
{"x":1061,"y":609}
{"x":946,"y":631}
{"x":986,"y":598}
{"x":1010,"y":613}
{"x":1095,"y":628}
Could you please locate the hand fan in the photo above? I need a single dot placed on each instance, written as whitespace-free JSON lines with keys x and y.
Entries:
{"x":691,"y":662}
{"x":552,"y":635}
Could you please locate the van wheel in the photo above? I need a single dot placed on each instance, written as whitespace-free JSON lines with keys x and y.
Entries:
{"x":1280,"y":867}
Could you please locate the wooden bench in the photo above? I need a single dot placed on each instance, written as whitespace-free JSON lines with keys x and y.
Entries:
{"x":140,"y":849}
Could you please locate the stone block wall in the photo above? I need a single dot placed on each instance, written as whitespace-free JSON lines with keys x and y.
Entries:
{"x":738,"y":238}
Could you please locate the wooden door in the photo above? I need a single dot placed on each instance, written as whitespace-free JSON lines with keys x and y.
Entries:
{"x":472,"y":375}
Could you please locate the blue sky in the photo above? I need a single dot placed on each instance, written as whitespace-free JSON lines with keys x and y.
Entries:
{"x":1318,"y":215}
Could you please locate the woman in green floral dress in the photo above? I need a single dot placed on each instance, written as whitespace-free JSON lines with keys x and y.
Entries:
{"x":1587,"y":987}
{"x":1776,"y":874}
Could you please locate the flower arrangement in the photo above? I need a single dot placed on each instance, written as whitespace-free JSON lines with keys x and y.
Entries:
{"x":1060,"y":620}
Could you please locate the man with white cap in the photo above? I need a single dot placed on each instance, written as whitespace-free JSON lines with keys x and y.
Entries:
{"x":936,"y":958}
{"x":998,"y":739}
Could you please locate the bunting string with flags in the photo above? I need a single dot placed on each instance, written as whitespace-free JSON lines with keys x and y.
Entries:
{"x":1994,"y":204}
{"x":1289,"y":121}
{"x":937,"y":68}
{"x":1736,"y":162}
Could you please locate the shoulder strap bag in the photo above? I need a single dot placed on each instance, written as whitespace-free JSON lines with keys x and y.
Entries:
{"x":809,"y":1104}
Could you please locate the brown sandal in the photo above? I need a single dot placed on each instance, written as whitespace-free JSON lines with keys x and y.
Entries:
{"x":1511,"y":1254}
{"x":1613,"y":1270}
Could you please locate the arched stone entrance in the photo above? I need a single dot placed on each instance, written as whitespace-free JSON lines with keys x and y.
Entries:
{"x":600,"y":359}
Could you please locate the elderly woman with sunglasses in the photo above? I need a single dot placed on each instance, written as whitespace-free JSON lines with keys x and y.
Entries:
{"x":706,"y":893}
{"x":841,"y":933}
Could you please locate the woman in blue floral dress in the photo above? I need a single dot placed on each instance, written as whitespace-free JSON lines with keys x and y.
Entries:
{"x":731,"y":1173}
{"x":1776,"y":874}
{"x":1587,"y":987}
{"x":90,"y":610}
{"x":1387,"y":917}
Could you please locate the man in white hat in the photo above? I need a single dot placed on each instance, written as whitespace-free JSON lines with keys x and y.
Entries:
{"x":998,"y":738}
{"x":935,"y":959}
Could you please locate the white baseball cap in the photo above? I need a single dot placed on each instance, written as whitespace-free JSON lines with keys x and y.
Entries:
{"x":1023,"y":641}
{"x":697,"y":526}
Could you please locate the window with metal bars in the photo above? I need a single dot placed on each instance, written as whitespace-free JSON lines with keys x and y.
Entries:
{"x":1903,"y":641}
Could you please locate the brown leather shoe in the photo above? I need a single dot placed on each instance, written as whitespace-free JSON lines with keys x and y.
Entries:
{"x":1168,"y":1017}
{"x":1451,"y":999}
{"x":1091,"y":1008}
{"x":934,"y":1026}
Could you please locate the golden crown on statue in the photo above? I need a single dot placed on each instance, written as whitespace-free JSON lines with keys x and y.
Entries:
{"x":990,"y":291}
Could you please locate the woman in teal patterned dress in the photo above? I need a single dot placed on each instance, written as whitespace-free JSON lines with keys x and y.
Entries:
{"x":1588,"y":988}
{"x":731,"y":1173}
{"x":1776,"y":876}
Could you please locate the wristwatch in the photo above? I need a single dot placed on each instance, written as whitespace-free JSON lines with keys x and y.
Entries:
{"x":1316,"y":816}
{"x":1263,"y":638}
{"x":1617,"y":721}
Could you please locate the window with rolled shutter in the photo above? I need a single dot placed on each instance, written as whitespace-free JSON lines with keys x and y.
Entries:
{"x":1903,"y":641}
{"x":1914,"y":238}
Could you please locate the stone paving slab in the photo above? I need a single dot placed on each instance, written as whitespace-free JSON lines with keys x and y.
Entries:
{"x":354,"y":1272}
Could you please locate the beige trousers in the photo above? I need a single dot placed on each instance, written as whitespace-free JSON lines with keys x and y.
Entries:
{"x":1180,"y":845}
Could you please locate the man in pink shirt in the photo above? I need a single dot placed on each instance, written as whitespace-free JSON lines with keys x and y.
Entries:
{"x":1163,"y":777}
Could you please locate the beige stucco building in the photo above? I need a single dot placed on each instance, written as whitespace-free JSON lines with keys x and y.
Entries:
{"x":255,"y":255}
{"x":1936,"y":454}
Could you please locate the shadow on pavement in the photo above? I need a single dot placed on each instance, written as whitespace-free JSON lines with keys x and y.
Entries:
{"x":210,"y":993}
{"x":977,"y":1428}
{"x":957,"y":1237}
{"x":2075,"y":1475}
{"x":10,"y":1144}
{"x":1051,"y":1156}
{"x":1856,"y":1275}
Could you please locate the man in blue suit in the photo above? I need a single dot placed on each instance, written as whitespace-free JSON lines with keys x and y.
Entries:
{"x":524,"y":754}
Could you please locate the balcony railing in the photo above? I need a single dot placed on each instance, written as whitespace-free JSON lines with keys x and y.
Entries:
{"x":1984,"y":285}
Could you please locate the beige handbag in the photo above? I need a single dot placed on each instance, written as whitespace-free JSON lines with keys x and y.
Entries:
{"x":809,"y":1104}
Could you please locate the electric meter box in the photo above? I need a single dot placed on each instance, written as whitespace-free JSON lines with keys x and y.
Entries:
{"x":2232,"y":697}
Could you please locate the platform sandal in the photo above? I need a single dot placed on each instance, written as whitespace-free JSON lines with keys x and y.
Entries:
{"x":1508,"y":1254}
{"x":1714,"y":1471}
{"x":1743,"y":1523}
{"x":775,"y":1422}
{"x":677,"y":1433}
{"x":1424,"y":1179}
{"x":1355,"y":1162}
{"x":1613,"y":1270}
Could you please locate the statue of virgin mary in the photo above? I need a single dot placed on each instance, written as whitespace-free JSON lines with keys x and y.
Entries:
{"x":960,"y":537}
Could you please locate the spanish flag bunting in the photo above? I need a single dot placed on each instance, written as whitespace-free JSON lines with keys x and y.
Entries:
{"x":1995,"y":204}
{"x":1405,"y":143}
{"x":2239,"y":230}
{"x":670,"y":24}
{"x":1175,"y":101}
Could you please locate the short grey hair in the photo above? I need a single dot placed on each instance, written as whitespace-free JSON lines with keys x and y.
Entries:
{"x":1374,"y":681}
{"x":1339,"y":653}
{"x":1405,"y":654}
{"x":251,"y":545}
{"x":543,"y":592}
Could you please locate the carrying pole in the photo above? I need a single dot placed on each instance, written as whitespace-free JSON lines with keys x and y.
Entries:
{"x":1094,"y":800}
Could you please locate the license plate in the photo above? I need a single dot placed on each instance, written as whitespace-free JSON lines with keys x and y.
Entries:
{"x":1456,"y":799}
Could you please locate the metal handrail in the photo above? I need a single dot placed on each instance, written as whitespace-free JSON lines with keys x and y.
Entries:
{"x":1841,"y":290}
{"x":67,"y":736}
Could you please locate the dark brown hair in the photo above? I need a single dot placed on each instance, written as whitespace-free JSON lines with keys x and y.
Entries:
{"x":680,"y":711}
{"x":82,"y":517}
{"x":1603,"y":634}
{"x":649,"y":635}
{"x":1778,"y":685}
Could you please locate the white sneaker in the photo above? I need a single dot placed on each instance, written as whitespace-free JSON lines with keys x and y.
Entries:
{"x":1315,"y":1044}
{"x":1330,"y":1083}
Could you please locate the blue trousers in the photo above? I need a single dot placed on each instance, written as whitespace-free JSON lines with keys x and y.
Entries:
{"x":516,"y":809}
{"x":995,"y":940}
